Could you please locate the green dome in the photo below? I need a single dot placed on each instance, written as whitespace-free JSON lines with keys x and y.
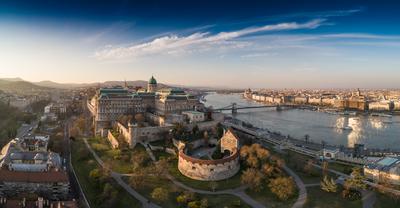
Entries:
{"x":152,"y":80}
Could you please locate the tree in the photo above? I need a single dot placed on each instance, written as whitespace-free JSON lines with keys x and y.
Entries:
{"x":356,"y":180}
{"x":204,"y":203}
{"x":253,"y":178}
{"x":220,"y":130}
{"x":205,"y":137}
{"x":193,"y":204}
{"x":160,"y":194}
{"x":270,"y":170}
{"x":328,"y":185}
{"x":253,"y":162}
{"x":353,"y":184}
{"x":161,"y":167}
{"x":185,"y":197}
{"x":282,"y":187}
{"x":109,"y":195}
{"x":325,"y":165}
{"x":262,"y":154}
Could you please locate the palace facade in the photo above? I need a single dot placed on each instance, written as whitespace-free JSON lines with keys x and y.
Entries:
{"x":110,"y":103}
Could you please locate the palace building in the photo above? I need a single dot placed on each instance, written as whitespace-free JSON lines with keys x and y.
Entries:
{"x":110,"y":103}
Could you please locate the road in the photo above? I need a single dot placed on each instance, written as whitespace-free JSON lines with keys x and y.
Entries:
{"x":74,"y":181}
{"x":24,"y":129}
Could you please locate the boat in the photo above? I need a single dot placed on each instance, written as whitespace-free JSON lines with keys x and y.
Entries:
{"x":347,"y":128}
{"x":381,"y":115}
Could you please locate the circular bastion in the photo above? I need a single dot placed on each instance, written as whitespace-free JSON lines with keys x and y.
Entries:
{"x":208,"y":169}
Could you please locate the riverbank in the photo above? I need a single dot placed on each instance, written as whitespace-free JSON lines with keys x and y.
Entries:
{"x":316,"y":127}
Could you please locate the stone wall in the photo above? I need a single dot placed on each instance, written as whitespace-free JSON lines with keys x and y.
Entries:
{"x":113,"y":141}
{"x":208,"y":170}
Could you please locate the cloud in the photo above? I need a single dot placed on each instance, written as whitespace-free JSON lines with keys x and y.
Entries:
{"x":199,"y":41}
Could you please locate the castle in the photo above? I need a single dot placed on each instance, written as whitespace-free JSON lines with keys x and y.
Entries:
{"x":110,"y":103}
{"x":211,"y":169}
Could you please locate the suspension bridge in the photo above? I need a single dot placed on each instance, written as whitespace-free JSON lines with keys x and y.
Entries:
{"x":234,"y":107}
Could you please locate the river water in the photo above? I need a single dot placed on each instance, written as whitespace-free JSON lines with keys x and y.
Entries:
{"x":374,"y":132}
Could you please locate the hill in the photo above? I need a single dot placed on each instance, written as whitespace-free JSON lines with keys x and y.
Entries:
{"x":12,"y":86}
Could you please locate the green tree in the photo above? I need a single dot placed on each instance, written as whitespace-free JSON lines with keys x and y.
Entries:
{"x":204,"y":203}
{"x":282,"y":187}
{"x":160,"y":194}
{"x":356,"y":180}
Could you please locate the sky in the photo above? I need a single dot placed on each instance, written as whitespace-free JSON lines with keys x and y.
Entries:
{"x":240,"y":44}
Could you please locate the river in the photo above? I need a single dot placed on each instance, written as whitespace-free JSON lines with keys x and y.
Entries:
{"x":374,"y":132}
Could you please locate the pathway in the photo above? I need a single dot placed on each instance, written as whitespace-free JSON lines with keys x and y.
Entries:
{"x":302,"y":198}
{"x":118,"y":178}
{"x":239,"y":192}
{"x":368,"y":196}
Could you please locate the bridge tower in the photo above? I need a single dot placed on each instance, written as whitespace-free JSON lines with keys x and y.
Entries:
{"x":234,"y":108}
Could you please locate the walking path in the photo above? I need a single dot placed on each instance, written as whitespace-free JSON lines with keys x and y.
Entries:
{"x":239,"y":192}
{"x":118,"y":178}
{"x":368,"y":196}
{"x":302,"y":199}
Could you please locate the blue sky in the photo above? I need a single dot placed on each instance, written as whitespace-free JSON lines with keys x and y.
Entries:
{"x":271,"y":44}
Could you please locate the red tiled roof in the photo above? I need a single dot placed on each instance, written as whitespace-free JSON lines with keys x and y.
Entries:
{"x":34,"y":177}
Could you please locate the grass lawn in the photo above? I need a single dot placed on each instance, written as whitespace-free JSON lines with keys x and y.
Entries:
{"x":119,"y":160}
{"x":386,"y":201}
{"x":321,"y":199}
{"x":214,"y":201}
{"x":347,"y":169}
{"x":162,"y":154}
{"x":83,"y":168}
{"x":229,"y":183}
{"x":267,"y":198}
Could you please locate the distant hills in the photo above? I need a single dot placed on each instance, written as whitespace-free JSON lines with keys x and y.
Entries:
{"x":7,"y":84}
{"x":17,"y":85}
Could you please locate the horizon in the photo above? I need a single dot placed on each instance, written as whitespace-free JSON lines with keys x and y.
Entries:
{"x":345,"y":44}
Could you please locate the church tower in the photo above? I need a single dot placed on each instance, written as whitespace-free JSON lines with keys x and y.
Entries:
{"x":152,"y":85}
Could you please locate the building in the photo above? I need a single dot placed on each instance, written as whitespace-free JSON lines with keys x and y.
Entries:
{"x":379,"y":106}
{"x":385,"y":170}
{"x":330,"y":153}
{"x":26,"y":166}
{"x":40,"y":202}
{"x":110,"y":103}
{"x":211,"y":169}
{"x":194,"y":116}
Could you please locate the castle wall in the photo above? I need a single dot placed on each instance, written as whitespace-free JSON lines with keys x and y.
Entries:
{"x":208,"y":170}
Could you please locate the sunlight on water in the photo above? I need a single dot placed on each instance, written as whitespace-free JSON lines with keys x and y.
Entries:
{"x":335,"y":129}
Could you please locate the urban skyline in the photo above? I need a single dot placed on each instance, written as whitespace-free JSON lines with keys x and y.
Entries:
{"x":273,"y":45}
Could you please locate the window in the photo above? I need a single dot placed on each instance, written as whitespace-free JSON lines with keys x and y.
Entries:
{"x":212,"y":170}
{"x":193,"y":168}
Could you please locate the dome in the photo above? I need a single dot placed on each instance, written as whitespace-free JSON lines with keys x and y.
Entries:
{"x":152,"y":80}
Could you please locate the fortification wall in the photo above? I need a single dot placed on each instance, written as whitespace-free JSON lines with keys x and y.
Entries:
{"x":208,"y":170}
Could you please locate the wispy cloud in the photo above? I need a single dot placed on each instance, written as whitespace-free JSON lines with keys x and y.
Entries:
{"x":172,"y":44}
